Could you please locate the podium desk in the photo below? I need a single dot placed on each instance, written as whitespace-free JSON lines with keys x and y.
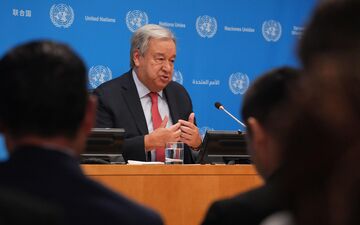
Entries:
{"x":180,"y":193}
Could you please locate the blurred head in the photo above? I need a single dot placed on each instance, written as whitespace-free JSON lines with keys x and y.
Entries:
{"x":264,"y":102}
{"x":152,"y":56}
{"x":43,"y":92}
{"x":334,"y":28}
{"x":322,"y":128}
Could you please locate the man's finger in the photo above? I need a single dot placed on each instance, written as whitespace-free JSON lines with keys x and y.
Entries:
{"x":192,"y":118}
{"x":164,"y":122}
{"x":186,"y":136}
{"x":177,"y":134}
{"x":186,"y":129}
{"x":175,"y":127}
{"x":186,"y":123}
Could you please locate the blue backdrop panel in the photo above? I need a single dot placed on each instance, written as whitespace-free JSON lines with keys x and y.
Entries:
{"x":3,"y":152}
{"x":222,"y":46}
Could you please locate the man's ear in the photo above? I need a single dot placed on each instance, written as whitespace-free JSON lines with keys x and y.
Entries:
{"x":263,"y":148}
{"x":259,"y":138}
{"x":258,"y":135}
{"x":136,"y":57}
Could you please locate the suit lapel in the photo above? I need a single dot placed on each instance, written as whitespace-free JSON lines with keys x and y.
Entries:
{"x":172,"y":103}
{"x":133,"y":103}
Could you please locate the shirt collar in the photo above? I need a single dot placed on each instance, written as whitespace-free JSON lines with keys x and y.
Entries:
{"x":141,"y":88}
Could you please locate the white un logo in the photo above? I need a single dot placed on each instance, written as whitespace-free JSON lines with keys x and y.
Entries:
{"x":271,"y":30}
{"x":61,"y":15}
{"x":206,"y":26}
{"x":136,"y":19}
{"x":238,"y":83}
{"x":177,"y":77}
{"x":98,"y":75}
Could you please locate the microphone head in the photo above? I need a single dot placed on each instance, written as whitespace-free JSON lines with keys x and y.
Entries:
{"x":218,"y":105}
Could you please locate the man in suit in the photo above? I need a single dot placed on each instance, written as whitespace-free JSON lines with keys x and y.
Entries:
{"x":128,"y":101}
{"x":263,"y":103}
{"x":46,"y":116}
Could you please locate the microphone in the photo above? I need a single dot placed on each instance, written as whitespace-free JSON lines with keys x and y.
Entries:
{"x":219,"y":106}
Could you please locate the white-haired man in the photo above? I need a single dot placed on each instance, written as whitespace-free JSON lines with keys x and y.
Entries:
{"x":145,"y":101}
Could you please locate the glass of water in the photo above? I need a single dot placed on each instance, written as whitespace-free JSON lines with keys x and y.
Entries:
{"x":174,"y":153}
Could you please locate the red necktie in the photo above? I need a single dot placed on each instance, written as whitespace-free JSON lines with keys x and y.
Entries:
{"x":156,"y":119}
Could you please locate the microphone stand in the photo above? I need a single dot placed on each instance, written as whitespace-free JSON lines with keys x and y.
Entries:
{"x":239,"y":122}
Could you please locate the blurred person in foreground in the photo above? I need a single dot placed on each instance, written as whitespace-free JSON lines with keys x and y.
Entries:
{"x":322,"y":137}
{"x":266,"y":98}
{"x":46,"y":116}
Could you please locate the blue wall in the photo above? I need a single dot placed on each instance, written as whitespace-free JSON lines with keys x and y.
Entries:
{"x":222,"y":45}
{"x":3,"y":152}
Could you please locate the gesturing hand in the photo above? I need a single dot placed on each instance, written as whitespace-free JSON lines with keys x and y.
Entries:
{"x":160,"y":136}
{"x":189,"y":132}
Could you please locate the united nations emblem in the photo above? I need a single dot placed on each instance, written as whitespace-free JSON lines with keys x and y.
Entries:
{"x":98,"y":75}
{"x":271,"y":30}
{"x":136,"y":19}
{"x":238,"y":83}
{"x":61,"y":15}
{"x":177,"y":77}
{"x":206,"y":26}
{"x":203,"y":130}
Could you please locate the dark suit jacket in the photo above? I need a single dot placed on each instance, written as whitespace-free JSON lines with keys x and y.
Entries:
{"x":17,"y":208}
{"x":119,"y":106}
{"x":251,"y":207}
{"x":56,"y":177}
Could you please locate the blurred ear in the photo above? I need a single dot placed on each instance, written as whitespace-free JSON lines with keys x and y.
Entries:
{"x":259,"y":147}
{"x":258,"y":135}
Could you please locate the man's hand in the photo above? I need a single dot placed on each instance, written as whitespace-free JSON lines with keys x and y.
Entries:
{"x":189,"y":132}
{"x":160,"y":136}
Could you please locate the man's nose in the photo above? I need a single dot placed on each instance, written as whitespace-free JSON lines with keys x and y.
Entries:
{"x":167,"y":65}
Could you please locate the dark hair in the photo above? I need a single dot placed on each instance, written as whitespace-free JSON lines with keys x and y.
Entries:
{"x":333,"y":29}
{"x":43,"y":90}
{"x":267,"y":94}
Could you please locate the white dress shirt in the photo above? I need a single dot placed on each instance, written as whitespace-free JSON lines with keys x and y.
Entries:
{"x":145,"y":100}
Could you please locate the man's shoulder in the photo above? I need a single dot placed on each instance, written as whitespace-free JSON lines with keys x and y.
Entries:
{"x":114,"y":83}
{"x":175,"y":86}
{"x":249,"y":207}
{"x":64,"y":177}
{"x":177,"y":90}
{"x":242,"y":200}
